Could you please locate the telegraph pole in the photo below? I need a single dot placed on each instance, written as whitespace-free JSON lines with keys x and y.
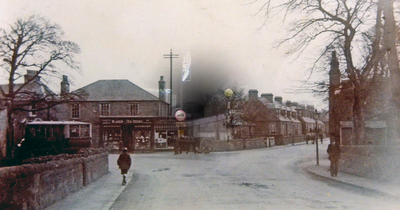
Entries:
{"x":170,"y":56}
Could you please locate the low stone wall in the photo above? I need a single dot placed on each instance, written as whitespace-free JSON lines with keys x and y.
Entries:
{"x":94,"y":167}
{"x":37,"y":186}
{"x":222,"y":145}
{"x":372,"y":161}
{"x":239,"y":144}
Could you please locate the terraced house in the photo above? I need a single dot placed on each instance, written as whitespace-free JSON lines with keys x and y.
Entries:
{"x":288,"y":122}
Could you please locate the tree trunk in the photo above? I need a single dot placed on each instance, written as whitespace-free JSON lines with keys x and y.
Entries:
{"x":358,"y":116}
{"x":10,"y":132}
{"x":250,"y":131}
{"x":392,"y":61}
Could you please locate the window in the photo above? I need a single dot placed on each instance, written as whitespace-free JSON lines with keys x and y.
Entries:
{"x":134,"y":109}
{"x":105,"y":109}
{"x":272,"y":128}
{"x":75,"y":111}
{"x":33,"y":113}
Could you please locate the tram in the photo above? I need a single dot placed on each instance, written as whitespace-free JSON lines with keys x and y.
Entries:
{"x":54,"y":137}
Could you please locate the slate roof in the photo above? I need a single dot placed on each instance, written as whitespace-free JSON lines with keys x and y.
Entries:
{"x":33,"y":87}
{"x":116,"y":90}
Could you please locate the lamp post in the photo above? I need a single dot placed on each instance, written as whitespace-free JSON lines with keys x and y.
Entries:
{"x":316,"y":135}
{"x":228,"y":93}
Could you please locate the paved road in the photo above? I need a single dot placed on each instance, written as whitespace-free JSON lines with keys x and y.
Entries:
{"x":270,"y":178}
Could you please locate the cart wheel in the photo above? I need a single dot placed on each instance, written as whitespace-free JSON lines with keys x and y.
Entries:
{"x":206,"y":146}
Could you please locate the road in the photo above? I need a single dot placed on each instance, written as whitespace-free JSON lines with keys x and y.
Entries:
{"x":269,"y":178}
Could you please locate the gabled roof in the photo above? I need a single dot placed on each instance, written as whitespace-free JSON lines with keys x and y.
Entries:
{"x":116,"y":90}
{"x":34,"y":87}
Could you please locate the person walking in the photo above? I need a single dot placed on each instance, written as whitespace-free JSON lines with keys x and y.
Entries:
{"x":124,"y":163}
{"x":321,"y":137}
{"x":334,"y":155}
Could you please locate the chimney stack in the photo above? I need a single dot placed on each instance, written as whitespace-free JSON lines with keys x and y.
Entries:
{"x":161,"y":89}
{"x":64,"y":85}
{"x":268,"y":96}
{"x":278,"y":99}
{"x":31,"y":74}
{"x":253,"y":93}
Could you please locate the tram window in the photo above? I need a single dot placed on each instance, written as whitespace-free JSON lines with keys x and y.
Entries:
{"x":74,"y":131}
{"x":85,"y":130}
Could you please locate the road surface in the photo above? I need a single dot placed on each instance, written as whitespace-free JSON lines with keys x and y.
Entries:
{"x":269,"y":178}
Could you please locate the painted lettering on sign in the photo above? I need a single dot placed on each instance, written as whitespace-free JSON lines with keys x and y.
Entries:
{"x":117,"y":121}
{"x":180,"y":115}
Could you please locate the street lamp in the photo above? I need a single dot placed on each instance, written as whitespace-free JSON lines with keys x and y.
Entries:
{"x":316,"y":135}
{"x":228,"y":93}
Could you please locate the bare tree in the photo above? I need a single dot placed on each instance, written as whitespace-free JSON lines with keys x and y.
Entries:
{"x":344,"y":26}
{"x":33,"y":44}
{"x":254,"y":114}
{"x":217,"y":103}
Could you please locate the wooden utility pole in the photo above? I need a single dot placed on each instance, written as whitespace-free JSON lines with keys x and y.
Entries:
{"x":170,"y":56}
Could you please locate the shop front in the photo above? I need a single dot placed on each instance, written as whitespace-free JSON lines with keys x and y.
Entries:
{"x":138,"y":134}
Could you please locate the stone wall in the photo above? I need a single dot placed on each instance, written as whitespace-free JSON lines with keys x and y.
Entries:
{"x":239,"y":144}
{"x":372,"y":161}
{"x":37,"y":186}
{"x":94,"y":166}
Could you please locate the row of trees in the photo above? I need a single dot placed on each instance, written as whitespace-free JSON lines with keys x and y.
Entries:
{"x":363,"y":32}
{"x":36,"y":45}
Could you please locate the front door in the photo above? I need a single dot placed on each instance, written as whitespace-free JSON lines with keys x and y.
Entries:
{"x":127,"y":136}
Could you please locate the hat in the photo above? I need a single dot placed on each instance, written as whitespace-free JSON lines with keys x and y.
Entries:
{"x":125,"y":149}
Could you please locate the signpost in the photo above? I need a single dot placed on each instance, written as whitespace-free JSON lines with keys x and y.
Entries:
{"x":180,"y":115}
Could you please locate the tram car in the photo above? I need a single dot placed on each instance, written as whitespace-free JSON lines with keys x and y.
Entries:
{"x":54,"y":137}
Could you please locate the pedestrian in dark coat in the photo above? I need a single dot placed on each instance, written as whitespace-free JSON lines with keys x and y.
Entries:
{"x":124,"y":163}
{"x":334,"y":155}
{"x":321,"y":136}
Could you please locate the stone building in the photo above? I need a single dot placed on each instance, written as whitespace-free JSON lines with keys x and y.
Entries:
{"x":377,"y":108}
{"x":124,"y":115}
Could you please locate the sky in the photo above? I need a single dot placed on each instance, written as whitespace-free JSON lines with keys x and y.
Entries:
{"x":127,"y":39}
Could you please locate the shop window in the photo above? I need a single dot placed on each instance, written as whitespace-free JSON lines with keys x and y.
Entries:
{"x":75,"y":111}
{"x":134,"y":109}
{"x":113,"y":138}
{"x":105,"y":109}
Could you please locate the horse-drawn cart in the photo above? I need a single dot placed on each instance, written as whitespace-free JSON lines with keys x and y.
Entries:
{"x":197,"y":145}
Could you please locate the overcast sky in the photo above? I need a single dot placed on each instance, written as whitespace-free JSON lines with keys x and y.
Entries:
{"x":127,"y":39}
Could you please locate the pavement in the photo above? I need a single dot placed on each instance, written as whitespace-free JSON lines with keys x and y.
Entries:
{"x":102,"y":193}
{"x":387,"y":189}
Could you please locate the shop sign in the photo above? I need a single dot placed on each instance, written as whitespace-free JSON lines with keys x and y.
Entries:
{"x":180,"y":115}
{"x":125,"y":121}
